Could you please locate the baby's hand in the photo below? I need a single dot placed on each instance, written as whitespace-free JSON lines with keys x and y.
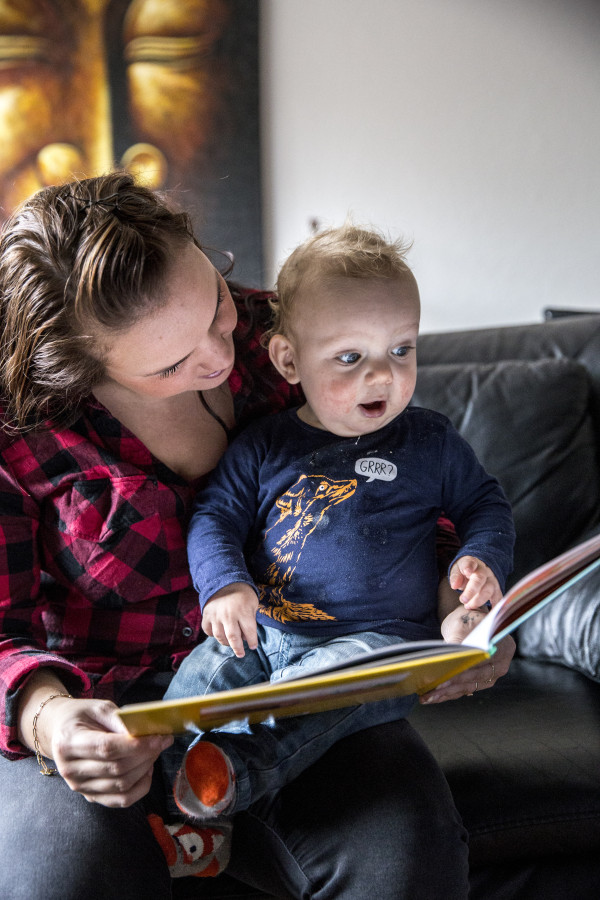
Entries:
{"x":477,"y":582}
{"x":230,"y":617}
{"x":457,"y":624}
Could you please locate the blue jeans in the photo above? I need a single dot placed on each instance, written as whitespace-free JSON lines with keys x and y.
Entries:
{"x":267,"y":756}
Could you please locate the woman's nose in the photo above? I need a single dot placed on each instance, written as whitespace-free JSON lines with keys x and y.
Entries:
{"x":216,"y":354}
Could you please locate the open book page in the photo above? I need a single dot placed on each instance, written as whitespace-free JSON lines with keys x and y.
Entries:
{"x":533,"y":592}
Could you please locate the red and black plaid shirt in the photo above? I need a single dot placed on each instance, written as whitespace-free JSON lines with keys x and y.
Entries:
{"x":94,"y":576}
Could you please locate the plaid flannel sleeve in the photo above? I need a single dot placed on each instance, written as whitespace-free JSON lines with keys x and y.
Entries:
{"x":22,"y":636}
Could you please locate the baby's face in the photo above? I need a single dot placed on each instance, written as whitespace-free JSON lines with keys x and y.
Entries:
{"x":354,"y":346}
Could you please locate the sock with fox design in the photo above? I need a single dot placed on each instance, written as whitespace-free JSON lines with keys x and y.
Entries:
{"x":192,"y":850}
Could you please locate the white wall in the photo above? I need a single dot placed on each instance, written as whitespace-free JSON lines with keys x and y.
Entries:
{"x":470,"y":126}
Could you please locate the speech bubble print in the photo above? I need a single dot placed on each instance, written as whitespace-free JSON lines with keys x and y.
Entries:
{"x":373,"y":468}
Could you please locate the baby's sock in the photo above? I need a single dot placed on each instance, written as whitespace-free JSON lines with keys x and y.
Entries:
{"x":190,"y":850}
{"x":205,"y":785}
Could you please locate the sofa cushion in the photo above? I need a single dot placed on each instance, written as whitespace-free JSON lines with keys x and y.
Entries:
{"x":530,"y":425}
{"x":567,"y":630}
{"x":577,"y":338}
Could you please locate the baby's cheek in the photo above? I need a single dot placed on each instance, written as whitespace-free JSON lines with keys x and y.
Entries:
{"x":339,"y":397}
{"x":338,"y":407}
{"x":407,"y":389}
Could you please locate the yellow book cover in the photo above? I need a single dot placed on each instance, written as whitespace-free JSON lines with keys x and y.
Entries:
{"x":406,"y":668}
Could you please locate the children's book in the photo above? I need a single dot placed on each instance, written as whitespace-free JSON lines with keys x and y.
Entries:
{"x":405,"y":668}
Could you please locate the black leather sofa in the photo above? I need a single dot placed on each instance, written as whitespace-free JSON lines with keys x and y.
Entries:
{"x":523,"y":759}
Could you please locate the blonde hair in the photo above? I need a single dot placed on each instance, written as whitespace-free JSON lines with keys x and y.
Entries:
{"x":75,"y":258}
{"x":348,"y":251}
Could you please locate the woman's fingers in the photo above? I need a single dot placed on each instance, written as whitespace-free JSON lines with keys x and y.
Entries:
{"x":475,"y":679}
{"x":111,"y":790}
{"x":118,"y":775}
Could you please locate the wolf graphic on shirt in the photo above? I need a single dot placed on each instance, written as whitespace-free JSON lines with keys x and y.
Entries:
{"x":301,"y":509}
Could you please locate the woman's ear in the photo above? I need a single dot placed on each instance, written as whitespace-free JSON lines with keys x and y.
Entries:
{"x":283,"y":357}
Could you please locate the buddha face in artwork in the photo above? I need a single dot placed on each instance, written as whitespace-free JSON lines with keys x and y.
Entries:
{"x":87,"y":85}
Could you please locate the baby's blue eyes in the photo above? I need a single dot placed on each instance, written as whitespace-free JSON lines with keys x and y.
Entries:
{"x":351,"y":357}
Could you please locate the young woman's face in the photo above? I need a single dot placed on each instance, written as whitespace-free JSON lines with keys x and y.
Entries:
{"x":187,"y":344}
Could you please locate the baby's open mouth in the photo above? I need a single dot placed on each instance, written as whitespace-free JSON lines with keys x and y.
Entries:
{"x":376,"y":408}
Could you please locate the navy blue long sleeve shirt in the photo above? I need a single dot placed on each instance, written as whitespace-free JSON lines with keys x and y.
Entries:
{"x":337,"y":535}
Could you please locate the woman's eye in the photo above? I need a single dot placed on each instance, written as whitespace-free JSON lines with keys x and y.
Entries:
{"x":401,"y":351}
{"x":170,"y":371}
{"x":349,"y":358}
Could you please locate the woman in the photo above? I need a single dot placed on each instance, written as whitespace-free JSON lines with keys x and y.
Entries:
{"x":119,"y":386}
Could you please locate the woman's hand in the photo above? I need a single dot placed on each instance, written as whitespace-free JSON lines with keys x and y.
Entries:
{"x":477,"y":678}
{"x":94,"y":752}
{"x":460,"y":622}
{"x":90,"y":746}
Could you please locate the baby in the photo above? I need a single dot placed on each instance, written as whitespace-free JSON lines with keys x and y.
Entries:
{"x":315,"y":538}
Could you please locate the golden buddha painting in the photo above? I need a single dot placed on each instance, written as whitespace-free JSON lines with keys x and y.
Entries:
{"x":167,"y":89}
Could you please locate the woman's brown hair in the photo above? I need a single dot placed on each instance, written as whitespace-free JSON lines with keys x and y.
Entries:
{"x":88,"y":255}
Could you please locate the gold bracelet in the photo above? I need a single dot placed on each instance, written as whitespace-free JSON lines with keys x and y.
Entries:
{"x":44,"y":770}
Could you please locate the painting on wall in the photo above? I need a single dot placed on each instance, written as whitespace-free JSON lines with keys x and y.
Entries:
{"x":167,"y":89}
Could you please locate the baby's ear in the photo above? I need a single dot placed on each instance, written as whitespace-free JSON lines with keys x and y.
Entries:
{"x":283,"y":357}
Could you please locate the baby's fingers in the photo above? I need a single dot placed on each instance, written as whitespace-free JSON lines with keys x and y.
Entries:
{"x":476,"y":590}
{"x":249,"y":632}
{"x":462,"y":571}
{"x":232,"y":636}
{"x":456,"y":578}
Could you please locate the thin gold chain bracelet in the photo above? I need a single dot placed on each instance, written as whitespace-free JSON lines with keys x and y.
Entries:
{"x":44,"y":770}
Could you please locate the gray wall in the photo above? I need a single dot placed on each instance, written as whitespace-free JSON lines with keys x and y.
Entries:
{"x":470,"y":126}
